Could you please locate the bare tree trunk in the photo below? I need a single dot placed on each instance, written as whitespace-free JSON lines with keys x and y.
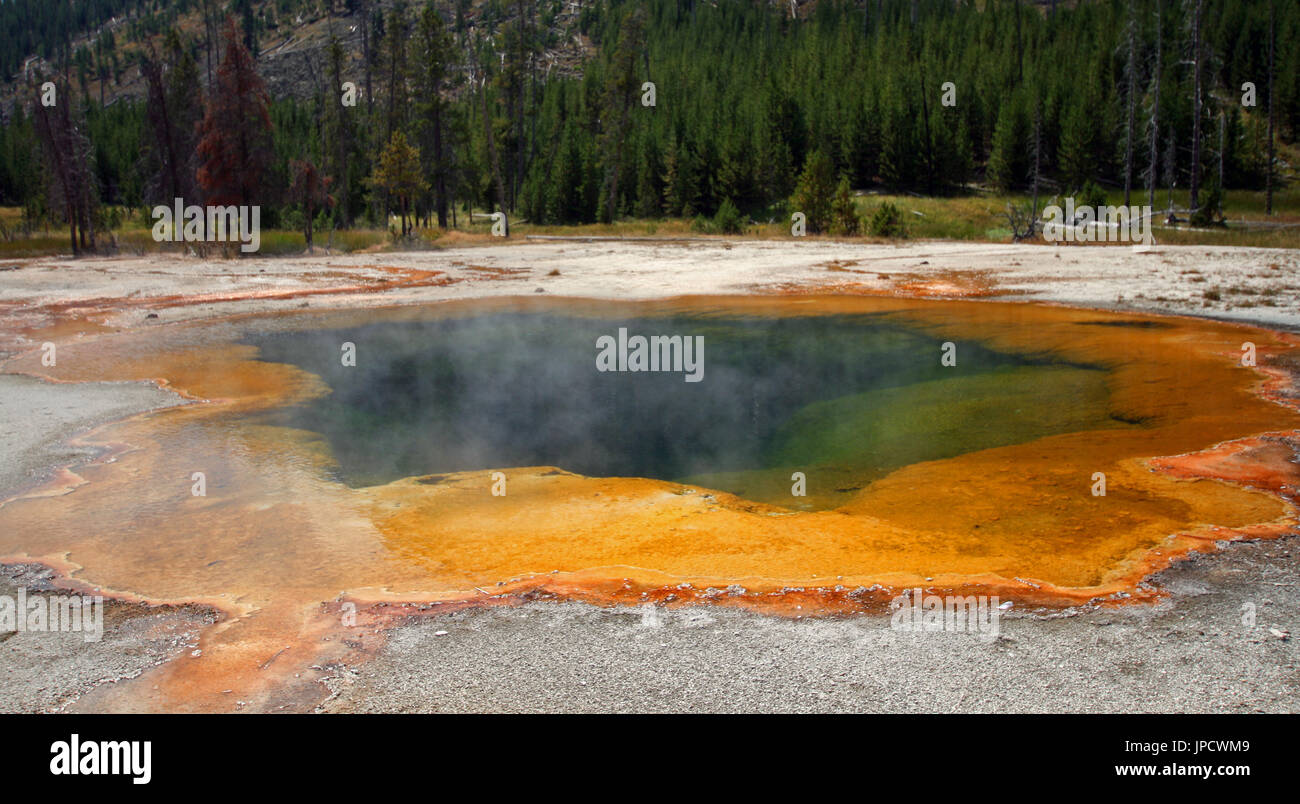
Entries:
{"x":440,"y":181}
{"x":929,"y":141}
{"x":365,"y":50}
{"x":1268,"y":176}
{"x":1195,"y":184}
{"x":523,"y":57}
{"x":1131,"y":68}
{"x":1153,"y":168}
{"x":396,"y":52}
{"x":209,"y":25}
{"x":55,"y":158}
{"x":1223,"y":144}
{"x":158,"y":99}
{"x":1171,"y":169}
{"x":1038,"y":147}
{"x":532,"y":89}
{"x":310,"y":216}
{"x":1020,"y":51}
{"x":342,"y":141}
{"x":492,"y":152}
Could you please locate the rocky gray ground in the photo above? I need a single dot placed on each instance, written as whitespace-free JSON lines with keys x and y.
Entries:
{"x":1254,"y":285}
{"x":38,"y":418}
{"x":44,"y":671}
{"x":1190,"y":653}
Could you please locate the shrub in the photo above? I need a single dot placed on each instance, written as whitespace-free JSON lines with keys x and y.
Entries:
{"x":844,"y":213}
{"x":728,"y":219}
{"x":1208,"y":213}
{"x":1091,"y":195}
{"x":887,"y":221}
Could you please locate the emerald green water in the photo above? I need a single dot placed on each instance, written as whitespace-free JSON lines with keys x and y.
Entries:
{"x":844,"y":399}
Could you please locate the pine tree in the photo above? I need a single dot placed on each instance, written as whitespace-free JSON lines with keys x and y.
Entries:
{"x":682,"y":191}
{"x":735,"y":173}
{"x":398,"y":174}
{"x":618,"y":102}
{"x":433,"y":47}
{"x":775,"y":165}
{"x":899,"y":149}
{"x":1076,"y":152}
{"x":649,"y":187}
{"x":816,"y":190}
{"x":396,"y":33}
{"x":340,"y":136}
{"x":844,"y":212}
{"x":1006,"y":163}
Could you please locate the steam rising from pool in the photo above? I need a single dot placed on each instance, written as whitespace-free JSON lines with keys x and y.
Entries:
{"x":842,"y":398}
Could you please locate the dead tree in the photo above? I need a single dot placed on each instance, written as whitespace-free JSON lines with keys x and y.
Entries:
{"x":1023,"y":223}
{"x":1197,"y":77}
{"x":1153,"y":168}
{"x":1038,"y":150}
{"x":1268,"y":176}
{"x":67,"y":154}
{"x":1130,"y":68}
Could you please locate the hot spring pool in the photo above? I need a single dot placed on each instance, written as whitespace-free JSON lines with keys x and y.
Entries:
{"x":842,"y":398}
{"x":476,"y":445}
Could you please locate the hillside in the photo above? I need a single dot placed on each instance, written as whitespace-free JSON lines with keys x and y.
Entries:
{"x":291,"y":41}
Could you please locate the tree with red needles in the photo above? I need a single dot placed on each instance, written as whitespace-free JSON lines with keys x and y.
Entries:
{"x":235,"y":146}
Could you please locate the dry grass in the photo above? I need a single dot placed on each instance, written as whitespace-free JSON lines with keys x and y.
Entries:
{"x":978,"y":217}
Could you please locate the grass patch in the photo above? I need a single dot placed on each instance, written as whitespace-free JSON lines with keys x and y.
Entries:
{"x":976,"y":217}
